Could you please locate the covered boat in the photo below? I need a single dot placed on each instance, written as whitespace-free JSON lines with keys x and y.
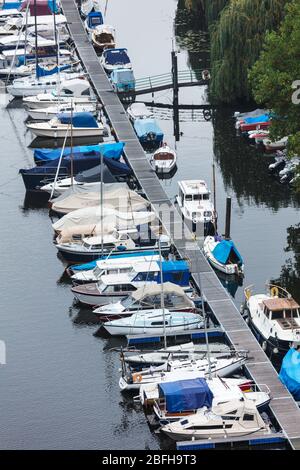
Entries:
{"x":83,"y":125}
{"x":258,"y":122}
{"x":45,"y":114}
{"x":109,"y":150}
{"x":35,"y":178}
{"x":146,"y":298}
{"x":92,"y":216}
{"x":114,"y":195}
{"x":92,"y":21}
{"x":113,"y":59}
{"x":186,"y":395}
{"x":223,"y":255}
{"x":290,"y":372}
{"x":122,"y":80}
{"x":148,"y":131}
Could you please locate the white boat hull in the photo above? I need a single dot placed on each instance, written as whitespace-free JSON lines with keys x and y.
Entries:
{"x":61,"y":133}
{"x":124,"y":331}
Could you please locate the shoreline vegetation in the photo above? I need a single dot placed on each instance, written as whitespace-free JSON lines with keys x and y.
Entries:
{"x":254,"y":52}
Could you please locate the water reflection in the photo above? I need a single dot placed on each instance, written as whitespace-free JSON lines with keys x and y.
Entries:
{"x":290,"y":272}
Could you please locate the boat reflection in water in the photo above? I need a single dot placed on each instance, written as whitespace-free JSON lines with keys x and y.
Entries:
{"x":230,"y":282}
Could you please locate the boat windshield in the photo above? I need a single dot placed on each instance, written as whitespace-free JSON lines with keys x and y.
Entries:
{"x":197,"y":197}
{"x":98,"y":271}
{"x":127,"y":302}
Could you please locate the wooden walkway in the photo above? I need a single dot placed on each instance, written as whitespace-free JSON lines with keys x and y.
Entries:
{"x":259,"y":367}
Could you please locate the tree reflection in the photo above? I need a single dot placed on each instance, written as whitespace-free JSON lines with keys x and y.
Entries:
{"x":290,"y":272}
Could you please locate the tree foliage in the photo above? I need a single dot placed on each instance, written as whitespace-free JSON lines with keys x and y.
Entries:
{"x":273,"y":75}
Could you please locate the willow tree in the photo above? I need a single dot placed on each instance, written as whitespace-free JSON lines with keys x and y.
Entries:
{"x":211,"y":9}
{"x":236,"y":41}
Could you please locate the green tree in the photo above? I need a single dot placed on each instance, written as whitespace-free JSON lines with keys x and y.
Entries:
{"x":274,"y":77}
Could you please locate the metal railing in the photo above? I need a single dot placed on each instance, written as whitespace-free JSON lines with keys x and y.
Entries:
{"x":166,"y":79}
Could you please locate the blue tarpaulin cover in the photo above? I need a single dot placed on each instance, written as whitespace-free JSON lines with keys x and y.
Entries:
{"x":116,"y":56}
{"x":170,"y":266}
{"x":224,"y":249}
{"x":11,"y":5}
{"x":92,"y":264}
{"x":186,"y":395}
{"x":85,"y":120}
{"x":117,"y":168}
{"x":109,"y":150}
{"x":290,"y":372}
{"x":41,"y":72}
{"x":254,"y":120}
{"x":145,"y":126}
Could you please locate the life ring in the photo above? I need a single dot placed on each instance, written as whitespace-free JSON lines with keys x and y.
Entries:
{"x":137,"y":377}
{"x":274,"y":291}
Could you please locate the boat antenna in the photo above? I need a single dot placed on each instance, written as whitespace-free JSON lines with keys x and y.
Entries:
{"x":162,"y":298}
{"x":101,"y":199}
{"x":71,"y":142}
{"x":55,"y":31}
{"x":205,"y":317}
{"x":215,"y":197}
{"x":36,"y":40}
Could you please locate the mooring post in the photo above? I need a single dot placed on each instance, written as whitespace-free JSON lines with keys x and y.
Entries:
{"x":175,"y":94}
{"x":228,"y":218}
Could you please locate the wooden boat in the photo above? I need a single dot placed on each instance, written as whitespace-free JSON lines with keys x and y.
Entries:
{"x":103,"y":37}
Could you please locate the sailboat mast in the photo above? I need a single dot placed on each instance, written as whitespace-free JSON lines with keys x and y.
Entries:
{"x":26,"y":33}
{"x":162,"y":297}
{"x":101,"y":197}
{"x":72,"y":156}
{"x":36,"y":40}
{"x":205,"y":328}
{"x":55,"y":31}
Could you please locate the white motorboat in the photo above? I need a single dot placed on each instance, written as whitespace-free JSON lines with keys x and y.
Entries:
{"x":154,"y":322}
{"x":234,"y":418}
{"x":218,"y":367}
{"x":116,"y":287}
{"x":45,"y":114}
{"x":223,"y":255}
{"x":103,"y":37}
{"x":111,"y":265}
{"x":275,"y":316}
{"x":29,"y":86}
{"x":164,"y":159}
{"x":194,"y":201}
{"x":83,"y":125}
{"x":74,"y":91}
{"x":89,"y":6}
{"x":139,"y":111}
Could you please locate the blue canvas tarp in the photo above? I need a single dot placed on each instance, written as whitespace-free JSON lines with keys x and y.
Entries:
{"x":116,"y":56}
{"x":92,"y":264}
{"x":85,"y":120}
{"x":290,"y":372}
{"x":41,"y":72}
{"x":143,"y":127}
{"x":257,"y":119}
{"x":95,"y":18}
{"x":186,"y":395}
{"x":117,"y":168}
{"x":226,"y":249}
{"x":109,"y":150}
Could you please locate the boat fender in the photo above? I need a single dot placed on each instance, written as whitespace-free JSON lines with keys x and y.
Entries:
{"x":264,"y":346}
{"x":274,"y":292}
{"x":137,"y":377}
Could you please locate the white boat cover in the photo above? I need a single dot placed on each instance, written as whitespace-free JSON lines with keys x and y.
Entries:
{"x":115,"y":195}
{"x":91,"y":230}
{"x":168,"y":289}
{"x":92,"y":215}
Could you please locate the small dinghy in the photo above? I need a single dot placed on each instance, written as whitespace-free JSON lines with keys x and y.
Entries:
{"x":148,"y":131}
{"x":103,"y":37}
{"x":154,"y":322}
{"x":138,"y":111}
{"x":83,"y":125}
{"x":223,"y":255}
{"x":164,"y":159}
{"x":234,"y":418}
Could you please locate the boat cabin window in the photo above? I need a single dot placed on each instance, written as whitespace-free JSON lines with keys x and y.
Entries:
{"x":124,"y":288}
{"x":293,"y":313}
{"x":278,"y":315}
{"x":124,"y":237}
{"x":159,"y":323}
{"x":248,"y":417}
{"x":66,"y":91}
{"x":127,"y":302}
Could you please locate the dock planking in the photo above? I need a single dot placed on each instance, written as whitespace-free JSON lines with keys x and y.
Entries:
{"x":283,"y":406}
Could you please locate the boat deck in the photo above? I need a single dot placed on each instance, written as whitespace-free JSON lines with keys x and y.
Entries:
{"x":259,"y":367}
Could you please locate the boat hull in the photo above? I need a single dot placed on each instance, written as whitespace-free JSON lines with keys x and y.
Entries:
{"x":136,"y":330}
{"x":61,"y":133}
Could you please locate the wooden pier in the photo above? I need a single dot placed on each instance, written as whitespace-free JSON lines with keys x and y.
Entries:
{"x":282,"y":405}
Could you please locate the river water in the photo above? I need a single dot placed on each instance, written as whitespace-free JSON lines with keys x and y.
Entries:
{"x":59,"y":388}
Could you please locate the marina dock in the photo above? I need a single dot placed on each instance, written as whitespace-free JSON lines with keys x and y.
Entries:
{"x":259,"y":367}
